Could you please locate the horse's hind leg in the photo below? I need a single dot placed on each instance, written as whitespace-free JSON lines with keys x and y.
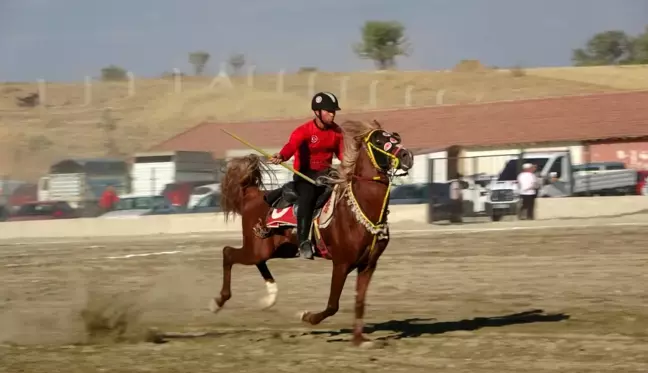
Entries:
{"x":271,"y":286}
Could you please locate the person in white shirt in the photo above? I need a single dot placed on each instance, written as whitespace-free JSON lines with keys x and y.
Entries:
{"x":456,"y":198}
{"x":527,"y":184}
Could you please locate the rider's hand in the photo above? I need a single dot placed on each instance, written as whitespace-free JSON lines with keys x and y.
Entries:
{"x":276,"y":159}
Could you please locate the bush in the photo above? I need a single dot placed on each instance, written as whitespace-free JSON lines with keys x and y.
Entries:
{"x":517,"y":72}
{"x":469,"y":66}
{"x":113,"y":73}
{"x":307,"y":69}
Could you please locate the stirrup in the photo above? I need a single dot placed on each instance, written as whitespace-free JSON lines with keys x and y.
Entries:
{"x":306,"y":250}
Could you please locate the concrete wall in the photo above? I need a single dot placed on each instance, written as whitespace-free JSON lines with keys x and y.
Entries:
{"x":548,"y":208}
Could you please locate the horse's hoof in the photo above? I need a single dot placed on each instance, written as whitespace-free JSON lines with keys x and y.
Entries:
{"x":213,"y":306}
{"x":303,"y":316}
{"x":269,"y":300}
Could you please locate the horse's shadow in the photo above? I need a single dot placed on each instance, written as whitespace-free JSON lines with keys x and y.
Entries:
{"x":416,"y":327}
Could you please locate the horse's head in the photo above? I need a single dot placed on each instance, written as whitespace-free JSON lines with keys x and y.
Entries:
{"x":386,"y":151}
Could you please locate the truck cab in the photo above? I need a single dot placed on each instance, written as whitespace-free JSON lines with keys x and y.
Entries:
{"x":503,"y":196}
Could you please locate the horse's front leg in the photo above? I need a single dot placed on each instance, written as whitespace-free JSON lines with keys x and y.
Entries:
{"x":338,"y":278}
{"x":362,"y":284}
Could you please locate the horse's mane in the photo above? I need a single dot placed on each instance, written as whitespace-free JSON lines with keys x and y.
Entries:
{"x":353,"y":132}
{"x":241,"y":173}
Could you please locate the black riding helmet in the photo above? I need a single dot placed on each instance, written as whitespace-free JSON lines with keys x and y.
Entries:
{"x":325,"y":101}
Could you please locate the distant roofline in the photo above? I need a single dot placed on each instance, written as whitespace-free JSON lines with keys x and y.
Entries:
{"x":422,"y":107}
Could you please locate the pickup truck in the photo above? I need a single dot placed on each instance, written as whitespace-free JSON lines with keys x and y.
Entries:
{"x":558,"y":177}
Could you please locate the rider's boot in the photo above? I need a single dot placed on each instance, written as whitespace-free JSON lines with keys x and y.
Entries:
{"x":303,"y":228}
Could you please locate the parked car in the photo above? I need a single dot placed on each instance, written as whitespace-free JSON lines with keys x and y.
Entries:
{"x":133,"y":206}
{"x":208,"y":203}
{"x":199,"y":192}
{"x":443,"y":207}
{"x":408,"y":194}
{"x":47,"y":210}
{"x":24,"y":193}
{"x":178,"y":193}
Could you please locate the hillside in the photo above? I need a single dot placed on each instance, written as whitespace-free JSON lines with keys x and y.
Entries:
{"x":73,"y":124}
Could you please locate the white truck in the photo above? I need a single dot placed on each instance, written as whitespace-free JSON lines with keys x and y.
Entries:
{"x":558,"y":178}
{"x":152,"y":171}
{"x":80,"y":182}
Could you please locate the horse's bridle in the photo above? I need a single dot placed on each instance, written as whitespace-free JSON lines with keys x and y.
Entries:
{"x":380,"y":229}
{"x":370,"y":148}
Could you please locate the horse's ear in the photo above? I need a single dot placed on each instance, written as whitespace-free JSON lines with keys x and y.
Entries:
{"x":376,"y":123}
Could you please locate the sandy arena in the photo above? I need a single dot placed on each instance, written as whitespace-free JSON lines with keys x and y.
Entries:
{"x":559,"y":300}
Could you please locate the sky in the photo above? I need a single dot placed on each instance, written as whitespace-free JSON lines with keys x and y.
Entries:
{"x":65,"y":40}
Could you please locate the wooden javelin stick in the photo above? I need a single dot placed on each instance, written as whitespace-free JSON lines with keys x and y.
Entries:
{"x":270,"y":156}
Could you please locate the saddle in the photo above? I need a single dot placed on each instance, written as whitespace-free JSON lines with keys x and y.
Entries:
{"x":282,"y":214}
{"x":286,"y":196}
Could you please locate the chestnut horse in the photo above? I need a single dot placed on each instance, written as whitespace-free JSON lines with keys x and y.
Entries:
{"x":354,"y":234}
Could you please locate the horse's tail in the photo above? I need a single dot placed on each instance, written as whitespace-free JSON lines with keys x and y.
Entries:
{"x":241,"y":173}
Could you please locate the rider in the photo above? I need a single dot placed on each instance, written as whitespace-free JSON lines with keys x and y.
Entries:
{"x":313,"y":145}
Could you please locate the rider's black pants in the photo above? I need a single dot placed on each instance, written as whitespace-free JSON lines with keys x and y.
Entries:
{"x":307,"y":196}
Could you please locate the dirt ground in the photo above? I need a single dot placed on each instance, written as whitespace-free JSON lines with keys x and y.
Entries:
{"x":552,"y":300}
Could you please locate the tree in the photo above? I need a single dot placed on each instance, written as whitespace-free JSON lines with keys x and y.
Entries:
{"x":382,"y":42}
{"x":199,"y":60}
{"x":607,"y":48}
{"x":237,"y":61}
{"x":113,"y":72}
{"x":640,"y":48}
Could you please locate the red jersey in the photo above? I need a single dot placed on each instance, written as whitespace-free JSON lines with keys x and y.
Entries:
{"x":313,"y":147}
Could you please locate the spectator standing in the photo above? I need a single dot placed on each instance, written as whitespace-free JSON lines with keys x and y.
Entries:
{"x":108,"y":199}
{"x":528,"y":189}
{"x":456,"y":197}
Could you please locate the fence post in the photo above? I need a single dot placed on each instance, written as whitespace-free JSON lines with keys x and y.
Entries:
{"x":477,"y":190}
{"x":177,"y":80}
{"x":131,"y":84}
{"x":87,"y":93}
{"x":408,"y":95}
{"x":224,"y":75}
{"x":311,"y":84}
{"x":373,"y":102}
{"x":250,"y":75}
{"x":344,"y":84}
{"x":439,"y":96}
{"x":430,"y":210}
{"x":42,"y":92}
{"x":153,"y":181}
{"x":280,"y":81}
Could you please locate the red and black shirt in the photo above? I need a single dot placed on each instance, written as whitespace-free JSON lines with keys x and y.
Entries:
{"x":313,"y":147}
